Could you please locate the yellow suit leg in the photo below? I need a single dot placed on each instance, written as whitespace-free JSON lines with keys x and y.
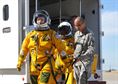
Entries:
{"x":71,"y":79}
{"x":94,"y":64}
{"x":46,"y":76}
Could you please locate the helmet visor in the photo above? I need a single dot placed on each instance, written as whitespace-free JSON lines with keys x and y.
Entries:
{"x":64,"y":30}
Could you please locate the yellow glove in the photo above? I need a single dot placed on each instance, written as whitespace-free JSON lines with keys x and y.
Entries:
{"x":19,"y":67}
{"x":20,"y":61}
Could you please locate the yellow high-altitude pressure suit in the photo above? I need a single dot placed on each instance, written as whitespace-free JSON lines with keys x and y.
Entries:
{"x":40,"y":46}
{"x":64,"y":59}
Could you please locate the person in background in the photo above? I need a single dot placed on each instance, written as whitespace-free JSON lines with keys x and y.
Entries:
{"x":84,"y":51}
{"x":64,"y":55}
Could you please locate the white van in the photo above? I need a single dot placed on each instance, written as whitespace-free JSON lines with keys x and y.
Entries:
{"x":17,"y":14}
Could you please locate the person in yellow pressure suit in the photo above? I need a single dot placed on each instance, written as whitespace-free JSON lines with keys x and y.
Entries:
{"x":40,"y":44}
{"x":64,"y":55}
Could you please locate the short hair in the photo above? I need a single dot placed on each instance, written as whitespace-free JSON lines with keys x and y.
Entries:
{"x":79,"y":19}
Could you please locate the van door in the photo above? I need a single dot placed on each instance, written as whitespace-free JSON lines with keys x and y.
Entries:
{"x":10,"y":40}
{"x":10,"y":23}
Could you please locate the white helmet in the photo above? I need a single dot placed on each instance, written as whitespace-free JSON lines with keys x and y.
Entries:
{"x":65,"y":29}
{"x":45,"y":15}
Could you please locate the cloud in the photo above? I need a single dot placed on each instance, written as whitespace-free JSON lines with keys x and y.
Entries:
{"x":109,"y":23}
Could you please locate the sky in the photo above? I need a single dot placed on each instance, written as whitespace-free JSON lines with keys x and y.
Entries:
{"x":109,"y":24}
